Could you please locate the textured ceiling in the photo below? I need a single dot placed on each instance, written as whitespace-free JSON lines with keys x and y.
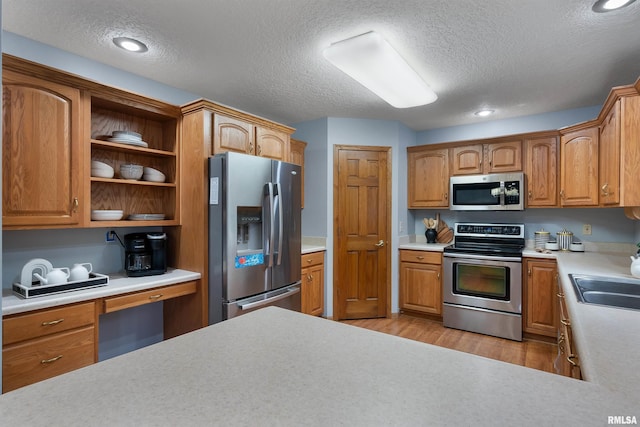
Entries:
{"x":519,"y":57}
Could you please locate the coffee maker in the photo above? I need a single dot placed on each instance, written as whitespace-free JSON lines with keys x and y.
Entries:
{"x":145,"y":254}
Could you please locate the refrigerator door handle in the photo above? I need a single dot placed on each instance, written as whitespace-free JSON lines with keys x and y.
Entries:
{"x":291,"y":291}
{"x":280,"y":208}
{"x":268,"y":210}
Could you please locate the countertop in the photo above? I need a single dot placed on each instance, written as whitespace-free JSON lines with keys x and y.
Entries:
{"x":118,"y":284}
{"x":307,"y":249}
{"x":278,"y":367}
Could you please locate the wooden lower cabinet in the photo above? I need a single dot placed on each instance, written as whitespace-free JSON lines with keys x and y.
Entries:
{"x":313,"y":283}
{"x":41,"y":344}
{"x":540,"y":313}
{"x":44,"y":344}
{"x":420,"y":282}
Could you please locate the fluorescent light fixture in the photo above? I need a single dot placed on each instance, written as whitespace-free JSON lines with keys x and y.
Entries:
{"x":373,"y":63}
{"x":484,"y":113}
{"x":609,"y":5}
{"x":132,"y":45}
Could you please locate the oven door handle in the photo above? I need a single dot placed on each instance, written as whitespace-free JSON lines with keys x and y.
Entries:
{"x":482,"y":257}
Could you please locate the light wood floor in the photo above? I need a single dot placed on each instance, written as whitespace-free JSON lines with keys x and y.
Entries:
{"x":529,"y":353}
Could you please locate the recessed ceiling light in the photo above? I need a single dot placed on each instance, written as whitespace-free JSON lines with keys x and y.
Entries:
{"x":608,"y":5}
{"x":374,"y":63}
{"x":132,"y":45}
{"x":484,"y":113}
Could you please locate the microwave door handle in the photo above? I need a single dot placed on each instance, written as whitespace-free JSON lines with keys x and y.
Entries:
{"x":279,"y":207}
{"x":502,"y":201}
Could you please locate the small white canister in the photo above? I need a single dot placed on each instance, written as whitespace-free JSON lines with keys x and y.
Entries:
{"x":565,"y":238}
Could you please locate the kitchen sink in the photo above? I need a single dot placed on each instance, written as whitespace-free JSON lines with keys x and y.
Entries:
{"x":610,"y":291}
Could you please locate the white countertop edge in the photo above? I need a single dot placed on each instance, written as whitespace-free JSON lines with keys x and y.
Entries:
{"x":118,"y":284}
{"x":307,"y":249}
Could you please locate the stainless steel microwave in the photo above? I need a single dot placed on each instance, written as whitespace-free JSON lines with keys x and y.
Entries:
{"x":491,"y":192}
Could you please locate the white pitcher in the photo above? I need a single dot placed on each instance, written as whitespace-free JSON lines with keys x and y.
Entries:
{"x":635,"y":266}
{"x":80,"y":271}
{"x":54,"y":277}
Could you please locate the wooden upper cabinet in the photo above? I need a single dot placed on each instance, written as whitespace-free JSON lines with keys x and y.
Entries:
{"x":503,"y":157}
{"x":609,"y":157}
{"x":272,"y":143}
{"x":467,"y":160}
{"x":541,"y":170}
{"x":41,"y":153}
{"x":629,"y":150}
{"x":428,"y":177}
{"x":494,"y":157}
{"x":296,"y":156}
{"x":231,"y":134}
{"x":579,"y":168}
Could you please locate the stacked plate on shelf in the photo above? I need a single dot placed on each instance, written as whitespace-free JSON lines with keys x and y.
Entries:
{"x":127,"y":137}
{"x":146,"y":217}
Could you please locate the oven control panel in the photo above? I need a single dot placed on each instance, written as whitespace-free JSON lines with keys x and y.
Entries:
{"x":489,"y":230}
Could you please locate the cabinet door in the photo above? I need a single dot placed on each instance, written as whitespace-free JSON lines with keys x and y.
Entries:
{"x":541,"y":169}
{"x":313,"y":290}
{"x":271,"y":143}
{"x":540,"y":310}
{"x":503,"y":157}
{"x":41,"y":160}
{"x":296,"y":156}
{"x":609,"y":157}
{"x":428,"y":178}
{"x":467,"y":160}
{"x":420,"y":288}
{"x":232,"y":135}
{"x":579,"y":168}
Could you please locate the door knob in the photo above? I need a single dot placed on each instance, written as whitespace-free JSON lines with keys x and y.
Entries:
{"x":380,"y":243}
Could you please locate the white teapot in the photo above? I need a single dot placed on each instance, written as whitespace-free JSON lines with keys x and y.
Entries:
{"x":55,"y":276}
{"x":635,"y":266}
{"x":80,"y":271}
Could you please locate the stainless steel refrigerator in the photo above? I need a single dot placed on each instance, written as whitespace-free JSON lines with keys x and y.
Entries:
{"x":254,"y":235}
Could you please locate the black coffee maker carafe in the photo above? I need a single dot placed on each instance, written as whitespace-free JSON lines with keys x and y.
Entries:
{"x":145,"y":254}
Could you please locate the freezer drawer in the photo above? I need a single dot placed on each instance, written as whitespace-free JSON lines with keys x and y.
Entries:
{"x":287,"y":297}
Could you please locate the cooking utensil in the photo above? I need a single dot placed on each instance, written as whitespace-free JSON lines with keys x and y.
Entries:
{"x":564,"y":238}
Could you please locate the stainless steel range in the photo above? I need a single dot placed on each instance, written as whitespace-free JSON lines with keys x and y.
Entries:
{"x":482,"y":279}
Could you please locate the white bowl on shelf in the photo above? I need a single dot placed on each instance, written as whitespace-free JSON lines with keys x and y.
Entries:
{"x":106,"y":215}
{"x":101,"y":170}
{"x":153,"y":175}
{"x":131,"y":171}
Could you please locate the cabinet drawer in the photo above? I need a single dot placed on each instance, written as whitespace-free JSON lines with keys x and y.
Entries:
{"x":423,"y":257}
{"x":313,"y":258}
{"x":27,"y":326}
{"x":146,"y":297}
{"x":37,"y":360}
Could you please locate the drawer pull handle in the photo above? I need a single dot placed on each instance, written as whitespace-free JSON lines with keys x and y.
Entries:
{"x":309,"y":278}
{"x":53,"y":359}
{"x":309,"y":261}
{"x":565,"y":322}
{"x":52,"y":322}
{"x":570,"y":360}
{"x":559,"y":295}
{"x":156,"y":296}
{"x":420,"y":257}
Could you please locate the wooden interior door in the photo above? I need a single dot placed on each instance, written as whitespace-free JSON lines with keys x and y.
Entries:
{"x":362,"y":180}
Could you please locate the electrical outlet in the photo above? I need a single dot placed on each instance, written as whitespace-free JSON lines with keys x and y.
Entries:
{"x":110,"y":236}
{"x":586,"y":229}
{"x":401,"y":227}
